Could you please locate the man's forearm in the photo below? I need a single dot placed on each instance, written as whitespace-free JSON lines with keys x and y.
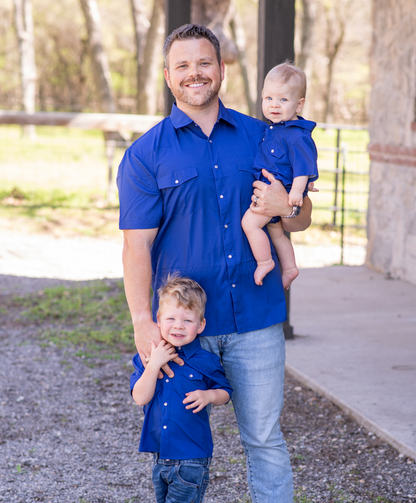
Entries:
{"x":138,"y":275}
{"x":137,"y":272}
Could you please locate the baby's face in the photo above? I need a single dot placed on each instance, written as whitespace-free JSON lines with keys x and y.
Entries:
{"x":178,"y":325}
{"x":281,"y":102}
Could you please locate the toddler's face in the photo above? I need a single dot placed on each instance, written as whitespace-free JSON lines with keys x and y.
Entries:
{"x":281,"y":102}
{"x":178,"y":325}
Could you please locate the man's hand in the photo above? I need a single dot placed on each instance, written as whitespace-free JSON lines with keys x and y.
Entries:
{"x":272,"y":200}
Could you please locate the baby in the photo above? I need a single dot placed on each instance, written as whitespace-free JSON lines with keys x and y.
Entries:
{"x":289,"y":153}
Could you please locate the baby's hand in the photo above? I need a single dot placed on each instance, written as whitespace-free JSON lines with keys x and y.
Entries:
{"x":161,"y":354}
{"x":295,"y":198}
{"x":311,"y":187}
{"x":199,"y":398}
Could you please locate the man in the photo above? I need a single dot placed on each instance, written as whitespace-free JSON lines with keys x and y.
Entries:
{"x":184,"y":187}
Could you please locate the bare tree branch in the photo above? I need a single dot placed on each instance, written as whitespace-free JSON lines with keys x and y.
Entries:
{"x":24,"y":30}
{"x":99,"y":60}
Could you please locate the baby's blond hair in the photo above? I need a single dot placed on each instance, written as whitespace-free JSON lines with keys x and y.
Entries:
{"x":288,"y":73}
{"x":186,"y":292}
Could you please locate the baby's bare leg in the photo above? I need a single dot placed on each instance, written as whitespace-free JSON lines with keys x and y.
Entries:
{"x":259,"y":242}
{"x":285,"y":253}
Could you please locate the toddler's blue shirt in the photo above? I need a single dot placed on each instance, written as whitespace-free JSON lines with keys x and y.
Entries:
{"x":169,"y":428}
{"x":288,"y":151}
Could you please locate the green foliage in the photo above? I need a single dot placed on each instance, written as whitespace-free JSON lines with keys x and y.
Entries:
{"x":94,"y":317}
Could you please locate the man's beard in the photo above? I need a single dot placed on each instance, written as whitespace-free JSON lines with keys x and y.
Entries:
{"x":181,"y":94}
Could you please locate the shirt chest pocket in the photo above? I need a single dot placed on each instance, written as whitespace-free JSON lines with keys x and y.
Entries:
{"x":179,"y":189}
{"x":275,"y":150}
{"x":191,"y":380}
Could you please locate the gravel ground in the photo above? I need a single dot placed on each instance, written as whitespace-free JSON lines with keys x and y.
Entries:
{"x":69,"y":433}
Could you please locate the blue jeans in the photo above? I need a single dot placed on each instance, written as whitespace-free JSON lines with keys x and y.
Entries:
{"x":254,"y":363}
{"x":180,"y":480}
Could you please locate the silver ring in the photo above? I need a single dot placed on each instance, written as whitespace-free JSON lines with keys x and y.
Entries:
{"x":256,"y":199}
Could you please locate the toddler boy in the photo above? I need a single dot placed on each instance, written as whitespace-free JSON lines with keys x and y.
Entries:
{"x":289,"y":153}
{"x":176,"y":425}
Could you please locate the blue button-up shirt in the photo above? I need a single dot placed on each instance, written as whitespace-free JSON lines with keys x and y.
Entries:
{"x":195,"y":189}
{"x":169,"y":428}
{"x":288,"y":151}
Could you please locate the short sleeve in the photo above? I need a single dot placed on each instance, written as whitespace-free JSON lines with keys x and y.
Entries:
{"x":138,"y":371}
{"x":303,"y":157}
{"x":217,"y":380}
{"x":140,"y":198}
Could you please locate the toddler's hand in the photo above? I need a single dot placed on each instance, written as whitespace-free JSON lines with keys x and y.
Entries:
{"x":161,"y":354}
{"x":199,"y":398}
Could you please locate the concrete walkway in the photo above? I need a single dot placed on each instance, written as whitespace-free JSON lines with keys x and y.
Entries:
{"x":355,"y":343}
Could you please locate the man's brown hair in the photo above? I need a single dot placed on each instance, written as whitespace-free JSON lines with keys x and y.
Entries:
{"x":189,"y":31}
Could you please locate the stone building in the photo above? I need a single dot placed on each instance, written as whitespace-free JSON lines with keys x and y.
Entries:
{"x":392,"y":203}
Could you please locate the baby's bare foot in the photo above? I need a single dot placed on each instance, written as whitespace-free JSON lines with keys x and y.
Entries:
{"x":288,"y":276}
{"x":262,"y":269}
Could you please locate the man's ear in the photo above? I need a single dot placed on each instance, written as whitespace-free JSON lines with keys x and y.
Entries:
{"x":202,"y":326}
{"x":166,"y":74}
{"x":299,"y":108}
{"x":222,"y":69}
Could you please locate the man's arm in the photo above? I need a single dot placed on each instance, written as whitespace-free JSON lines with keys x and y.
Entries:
{"x":273,"y":201}
{"x":137,"y":283}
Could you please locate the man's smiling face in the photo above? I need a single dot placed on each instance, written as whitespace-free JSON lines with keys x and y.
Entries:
{"x":194,"y":75}
{"x":178,"y":325}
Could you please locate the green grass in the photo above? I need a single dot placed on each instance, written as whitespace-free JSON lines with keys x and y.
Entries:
{"x":59,"y":212}
{"x":356,"y":185}
{"x":94,"y":318}
{"x":53,"y":191}
{"x":53,"y":144}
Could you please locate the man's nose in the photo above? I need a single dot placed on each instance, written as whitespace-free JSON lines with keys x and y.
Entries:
{"x":194,"y":70}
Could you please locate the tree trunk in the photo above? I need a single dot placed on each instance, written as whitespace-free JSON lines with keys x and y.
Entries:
{"x":215,"y":15}
{"x":335,"y":21}
{"x":307,"y":36}
{"x":24,"y":30}
{"x":141,"y":25}
{"x":99,"y":60}
{"x":151,"y":62}
{"x":239,"y":36}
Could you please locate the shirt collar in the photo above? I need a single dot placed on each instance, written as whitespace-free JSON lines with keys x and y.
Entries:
{"x":191,"y":348}
{"x":300,"y":122}
{"x":180,"y":119}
